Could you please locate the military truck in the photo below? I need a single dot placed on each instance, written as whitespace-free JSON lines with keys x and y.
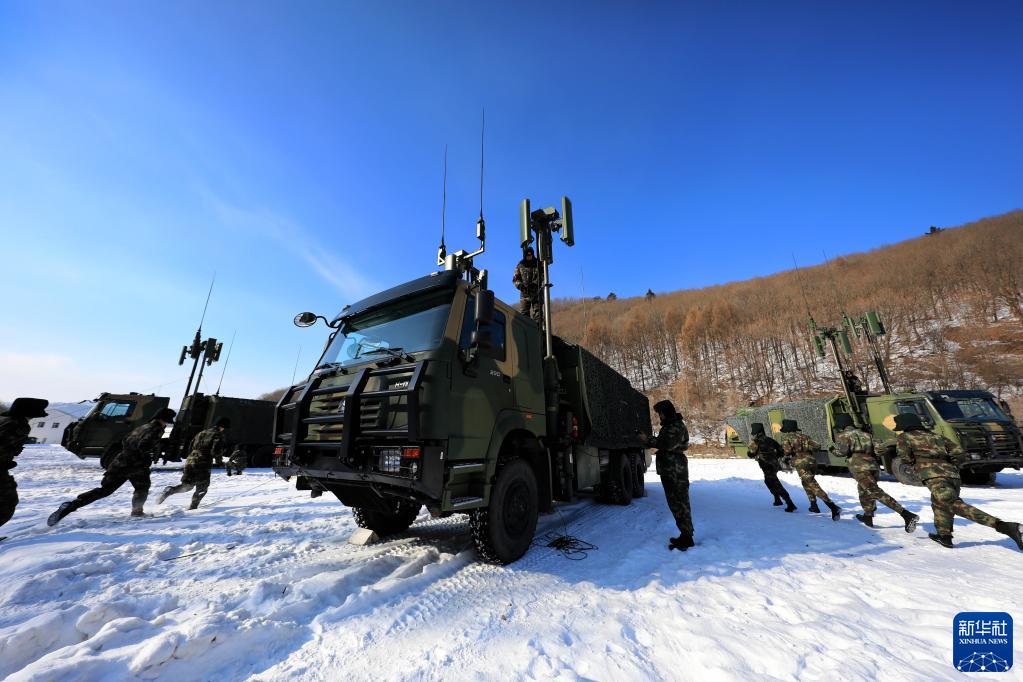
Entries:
{"x":434,"y":393}
{"x":115,"y":415}
{"x":975,"y":420}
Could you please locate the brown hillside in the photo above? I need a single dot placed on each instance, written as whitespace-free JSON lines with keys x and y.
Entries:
{"x":952,"y":303}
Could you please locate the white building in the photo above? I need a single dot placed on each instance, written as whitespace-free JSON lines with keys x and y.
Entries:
{"x":49,"y":429}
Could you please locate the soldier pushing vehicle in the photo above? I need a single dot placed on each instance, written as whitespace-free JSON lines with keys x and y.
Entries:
{"x":768,"y":453}
{"x":858,"y":447}
{"x":207,"y":445}
{"x":801,"y":448}
{"x":934,"y":458}
{"x":131,"y":464}
{"x":14,"y":430}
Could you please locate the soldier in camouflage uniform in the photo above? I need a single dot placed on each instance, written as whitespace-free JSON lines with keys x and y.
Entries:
{"x":673,"y":468}
{"x":858,"y":447}
{"x":14,"y":430}
{"x":130,"y":465}
{"x":801,"y":448}
{"x":237,"y":461}
{"x":207,"y":445}
{"x":527,"y":280}
{"x":935,"y":460}
{"x":768,"y":452}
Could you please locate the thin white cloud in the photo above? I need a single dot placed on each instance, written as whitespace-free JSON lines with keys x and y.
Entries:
{"x":61,"y":378}
{"x":342,"y":275}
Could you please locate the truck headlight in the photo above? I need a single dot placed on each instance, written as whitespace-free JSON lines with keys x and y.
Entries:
{"x":390,"y":460}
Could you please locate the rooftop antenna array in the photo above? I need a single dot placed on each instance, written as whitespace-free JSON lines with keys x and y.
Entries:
{"x":208,"y":350}
{"x":461,"y":261}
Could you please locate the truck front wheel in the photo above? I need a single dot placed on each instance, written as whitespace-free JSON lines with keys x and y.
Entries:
{"x":619,"y":478}
{"x":398,"y":516}
{"x":504,"y":530}
{"x":904,"y":472}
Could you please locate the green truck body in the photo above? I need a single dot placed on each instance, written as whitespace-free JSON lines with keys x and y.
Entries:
{"x":974,"y":419}
{"x":421,"y":399}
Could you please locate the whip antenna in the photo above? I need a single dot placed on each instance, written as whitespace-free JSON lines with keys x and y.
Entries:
{"x":483,"y":126}
{"x":206,"y":305}
{"x":295,"y":371}
{"x":442,"y":251}
{"x":227,"y":360}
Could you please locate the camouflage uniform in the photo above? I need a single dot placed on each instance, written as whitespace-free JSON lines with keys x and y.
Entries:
{"x":527,"y":280}
{"x":768,"y":452}
{"x":673,"y":468}
{"x":207,"y":445}
{"x":800,"y":448}
{"x":130,"y":465}
{"x":858,"y":447}
{"x":14,"y":432}
{"x":237,"y":461}
{"x":934,"y":459}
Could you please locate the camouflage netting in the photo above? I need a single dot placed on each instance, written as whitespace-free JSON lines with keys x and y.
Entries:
{"x":810,"y":414}
{"x":617,"y":412}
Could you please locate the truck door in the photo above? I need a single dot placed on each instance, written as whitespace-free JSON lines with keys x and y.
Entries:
{"x":107,"y":426}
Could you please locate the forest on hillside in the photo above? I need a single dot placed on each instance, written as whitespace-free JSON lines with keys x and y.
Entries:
{"x":952,"y":302}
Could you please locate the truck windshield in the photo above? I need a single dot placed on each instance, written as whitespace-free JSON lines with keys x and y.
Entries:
{"x":407,"y":326}
{"x":978,"y":408}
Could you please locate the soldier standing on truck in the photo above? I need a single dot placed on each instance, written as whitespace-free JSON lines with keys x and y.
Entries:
{"x":858,"y":447}
{"x":14,"y":430}
{"x":768,"y":453}
{"x":207,"y":445}
{"x":673,"y":468}
{"x":527,"y":280}
{"x":801,"y":448}
{"x":934,"y":458}
{"x":131,"y":464}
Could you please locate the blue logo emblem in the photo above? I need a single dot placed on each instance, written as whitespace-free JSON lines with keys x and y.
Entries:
{"x":982,"y":642}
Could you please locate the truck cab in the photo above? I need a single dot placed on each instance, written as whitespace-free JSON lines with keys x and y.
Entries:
{"x":114,"y":416}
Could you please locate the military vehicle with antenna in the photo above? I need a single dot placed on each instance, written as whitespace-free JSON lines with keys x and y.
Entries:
{"x":975,"y":420}
{"x":433,"y":393}
{"x":100,"y":432}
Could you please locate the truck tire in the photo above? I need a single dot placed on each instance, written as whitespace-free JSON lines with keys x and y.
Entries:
{"x":504,"y":530}
{"x":395,"y":519}
{"x":978,"y":477}
{"x":638,"y":475}
{"x":904,"y":472}
{"x":619,"y":479}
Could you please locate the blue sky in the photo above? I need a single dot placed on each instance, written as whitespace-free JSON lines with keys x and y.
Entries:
{"x":296,"y":150}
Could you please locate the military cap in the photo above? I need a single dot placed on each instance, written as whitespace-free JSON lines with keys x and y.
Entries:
{"x":756,"y":428}
{"x":165,"y":415}
{"x":789,"y":426}
{"x":29,"y":408}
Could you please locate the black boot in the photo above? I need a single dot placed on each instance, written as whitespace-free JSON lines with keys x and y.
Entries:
{"x":866,"y":519}
{"x":63,"y":510}
{"x":943,"y":540}
{"x":910,"y":518}
{"x":777,"y":501}
{"x":814,"y":509}
{"x":790,"y":507}
{"x":836,"y":512}
{"x":682,"y":543}
{"x":1013,"y":530}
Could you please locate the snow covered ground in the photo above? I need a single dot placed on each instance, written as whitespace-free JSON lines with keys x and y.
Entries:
{"x":260,"y":583}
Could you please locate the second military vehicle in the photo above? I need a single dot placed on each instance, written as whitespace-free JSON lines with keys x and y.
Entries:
{"x":433,"y":393}
{"x":975,"y":420}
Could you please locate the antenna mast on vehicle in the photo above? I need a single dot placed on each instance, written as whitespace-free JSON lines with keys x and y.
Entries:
{"x":461,"y":261}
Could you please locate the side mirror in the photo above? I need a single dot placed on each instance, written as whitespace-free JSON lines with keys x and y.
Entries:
{"x":483,"y":339}
{"x":305,"y":319}
{"x":484,"y":307}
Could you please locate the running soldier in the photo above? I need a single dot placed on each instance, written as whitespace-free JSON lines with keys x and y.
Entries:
{"x":207,"y":445}
{"x":801,"y":448}
{"x":673,"y":468}
{"x":858,"y":447}
{"x":934,"y":458}
{"x":527,"y":280}
{"x":131,"y":464}
{"x":768,"y":453}
{"x":14,"y":430}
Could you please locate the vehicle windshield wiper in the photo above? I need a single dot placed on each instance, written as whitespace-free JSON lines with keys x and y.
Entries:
{"x":396,"y":352}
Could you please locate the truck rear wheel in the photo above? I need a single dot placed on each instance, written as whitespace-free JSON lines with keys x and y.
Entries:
{"x":638,"y":475}
{"x":398,"y":516}
{"x":620,"y":479}
{"x":904,"y":472}
{"x":503,"y":531}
